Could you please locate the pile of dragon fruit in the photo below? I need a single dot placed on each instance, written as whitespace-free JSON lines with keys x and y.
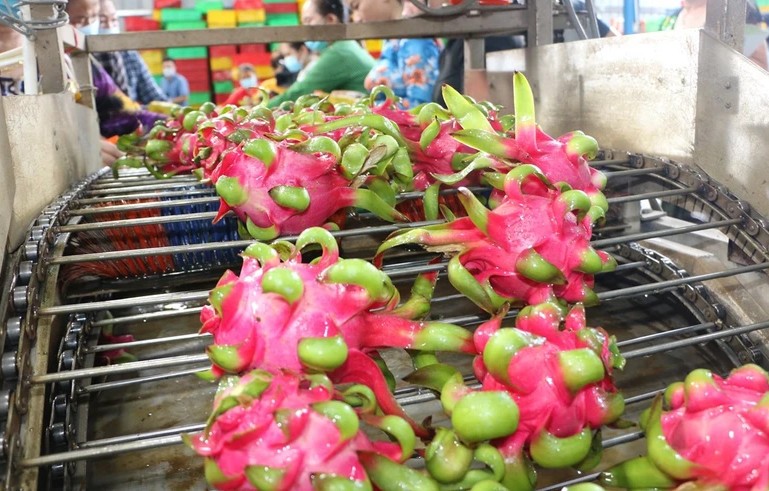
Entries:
{"x":305,"y":398}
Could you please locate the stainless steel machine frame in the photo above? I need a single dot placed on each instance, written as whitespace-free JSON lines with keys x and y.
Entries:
{"x":686,"y":96}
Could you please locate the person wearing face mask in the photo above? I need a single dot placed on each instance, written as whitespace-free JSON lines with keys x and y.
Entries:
{"x":295,"y":62}
{"x":408,"y":66}
{"x":118,"y":114}
{"x":140,"y":86}
{"x":249,"y":87}
{"x":341,"y":65}
{"x":174,"y":85}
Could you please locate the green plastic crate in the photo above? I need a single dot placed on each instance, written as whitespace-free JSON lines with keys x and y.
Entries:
{"x":252,"y":24}
{"x":224,"y":87}
{"x":187,"y":53}
{"x":197,"y":98}
{"x":282,"y":20}
{"x":158,"y":78}
{"x":187,"y":24}
{"x":206,"y":5}
{"x":279,"y":1}
{"x":179,"y":15}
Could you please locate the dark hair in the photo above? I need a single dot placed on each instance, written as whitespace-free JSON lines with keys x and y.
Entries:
{"x":169,"y":59}
{"x":297,"y":46}
{"x":333,"y":7}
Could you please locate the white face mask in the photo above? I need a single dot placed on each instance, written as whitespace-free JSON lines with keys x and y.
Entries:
{"x":109,"y":30}
{"x":248,"y":82}
{"x":169,"y":72}
{"x":90,"y":29}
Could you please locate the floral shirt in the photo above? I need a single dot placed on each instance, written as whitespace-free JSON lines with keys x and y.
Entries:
{"x":409,"y":67}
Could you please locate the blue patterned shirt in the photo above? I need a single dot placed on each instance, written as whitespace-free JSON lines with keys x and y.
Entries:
{"x":141,"y":86}
{"x":409,"y":67}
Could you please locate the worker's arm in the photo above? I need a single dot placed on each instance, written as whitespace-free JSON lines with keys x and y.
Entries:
{"x":325,"y":74}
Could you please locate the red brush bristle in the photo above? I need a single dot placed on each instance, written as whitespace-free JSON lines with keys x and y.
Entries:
{"x":119,"y":239}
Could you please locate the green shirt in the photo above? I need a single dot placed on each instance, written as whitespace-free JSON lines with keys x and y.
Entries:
{"x":342,"y":66}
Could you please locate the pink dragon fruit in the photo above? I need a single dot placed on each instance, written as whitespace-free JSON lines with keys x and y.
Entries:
{"x":714,"y":434}
{"x":278,"y":190}
{"x":562,"y":160}
{"x":321,"y":316}
{"x":535,"y":245}
{"x":281,"y":431}
{"x":545,"y":390}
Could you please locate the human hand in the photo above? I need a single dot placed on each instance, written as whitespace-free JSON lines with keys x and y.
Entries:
{"x":109,"y":152}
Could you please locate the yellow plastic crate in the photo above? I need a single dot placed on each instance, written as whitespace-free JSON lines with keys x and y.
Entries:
{"x":155,"y":68}
{"x":152,"y":55}
{"x":264,"y":72}
{"x":219,"y":63}
{"x":156,"y":14}
{"x":373,"y":45}
{"x":250,"y":16}
{"x":222,"y":18}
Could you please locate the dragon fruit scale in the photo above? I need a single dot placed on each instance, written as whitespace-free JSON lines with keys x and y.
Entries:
{"x":535,"y":245}
{"x":324,"y":316}
{"x":706,"y":432}
{"x":280,"y":431}
{"x":546,"y":391}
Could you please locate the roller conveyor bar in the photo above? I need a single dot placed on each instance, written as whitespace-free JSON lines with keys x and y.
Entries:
{"x":121,"y":384}
{"x":105,"y":184}
{"x":161,"y":195}
{"x":667,"y":334}
{"x":149,"y":342}
{"x":664,"y":233}
{"x":610,"y":174}
{"x":147,"y":205}
{"x":132,"y":222}
{"x":142,"y":436}
{"x":164,"y":314}
{"x":651,"y":195}
{"x":681,"y":343}
{"x":159,"y":186}
{"x":126,"y":302}
{"x":666,"y":285}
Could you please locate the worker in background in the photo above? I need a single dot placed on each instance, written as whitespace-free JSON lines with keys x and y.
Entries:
{"x":248,"y":92}
{"x":173,"y":84}
{"x":140,"y":86}
{"x":118,"y":114}
{"x":295,"y":60}
{"x":408,"y":66}
{"x":692,"y":15}
{"x":341,"y":65}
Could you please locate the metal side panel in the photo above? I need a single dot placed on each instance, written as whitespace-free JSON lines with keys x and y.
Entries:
{"x":732,"y":139}
{"x":633,"y":92}
{"x":54,"y":142}
{"x":7,"y":188}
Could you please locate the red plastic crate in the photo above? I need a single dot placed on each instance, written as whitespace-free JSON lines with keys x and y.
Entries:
{"x":248,"y":4}
{"x":252,"y":48}
{"x":253,"y":58}
{"x":280,"y":8}
{"x":141,"y":24}
{"x":220,"y":98}
{"x":192,"y":66}
{"x":199,"y":85}
{"x":218,"y":51}
{"x":164,"y":4}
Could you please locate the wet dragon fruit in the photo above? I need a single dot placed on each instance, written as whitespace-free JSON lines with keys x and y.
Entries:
{"x":323,"y":316}
{"x":281,"y":187}
{"x":279,"y":430}
{"x":535,"y":245}
{"x":562,"y":160}
{"x":707,"y":432}
{"x":546,"y":389}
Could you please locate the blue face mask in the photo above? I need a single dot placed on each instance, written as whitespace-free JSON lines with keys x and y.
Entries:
{"x":316,"y":46}
{"x":292,"y":64}
{"x":91,"y":29}
{"x":248,"y":82}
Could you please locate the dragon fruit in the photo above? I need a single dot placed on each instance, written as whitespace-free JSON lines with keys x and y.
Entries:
{"x":276,"y":189}
{"x":707,"y":432}
{"x":545,"y":391}
{"x":562,"y":160}
{"x":279,"y":430}
{"x":322,"y":316}
{"x":534,"y":246}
